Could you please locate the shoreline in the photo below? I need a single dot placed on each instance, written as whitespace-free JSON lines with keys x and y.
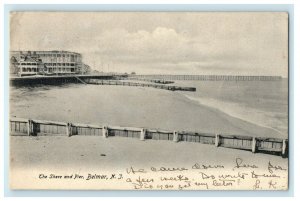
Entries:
{"x":137,"y":106}
{"x":236,"y":114}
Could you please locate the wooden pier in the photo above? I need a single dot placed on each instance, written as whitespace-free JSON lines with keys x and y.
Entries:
{"x":29,"y":127}
{"x":210,"y":77}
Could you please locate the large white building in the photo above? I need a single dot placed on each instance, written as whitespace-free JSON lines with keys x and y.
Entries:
{"x":45,"y":62}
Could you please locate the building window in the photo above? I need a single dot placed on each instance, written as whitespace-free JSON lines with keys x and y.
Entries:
{"x":24,"y":69}
{"x":63,"y":64}
{"x":72,"y":64}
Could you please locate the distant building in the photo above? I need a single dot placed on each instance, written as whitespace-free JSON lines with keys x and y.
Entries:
{"x":45,"y":62}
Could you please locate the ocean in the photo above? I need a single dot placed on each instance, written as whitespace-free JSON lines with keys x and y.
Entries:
{"x":264,"y":103}
{"x":255,"y":108}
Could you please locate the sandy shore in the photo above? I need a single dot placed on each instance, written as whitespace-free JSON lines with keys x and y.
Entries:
{"x":31,"y":156}
{"x":87,"y":151}
{"x":127,"y":106}
{"x":139,"y":107}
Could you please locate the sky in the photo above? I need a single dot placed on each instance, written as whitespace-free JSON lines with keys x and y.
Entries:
{"x":222,"y":43}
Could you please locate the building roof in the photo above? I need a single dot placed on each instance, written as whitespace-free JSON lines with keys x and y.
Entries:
{"x":43,"y":52}
{"x":29,"y":59}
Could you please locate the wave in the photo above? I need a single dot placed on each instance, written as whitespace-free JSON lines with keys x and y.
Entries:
{"x":269,"y":120}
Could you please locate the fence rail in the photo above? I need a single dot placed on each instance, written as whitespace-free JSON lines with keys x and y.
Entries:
{"x":29,"y":127}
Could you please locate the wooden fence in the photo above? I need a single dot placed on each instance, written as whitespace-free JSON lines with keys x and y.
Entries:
{"x":25,"y":127}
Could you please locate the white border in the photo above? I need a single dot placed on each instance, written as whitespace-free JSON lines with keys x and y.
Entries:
{"x":296,"y":71}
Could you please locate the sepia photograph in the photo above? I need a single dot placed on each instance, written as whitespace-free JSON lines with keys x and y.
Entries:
{"x":149,"y":100}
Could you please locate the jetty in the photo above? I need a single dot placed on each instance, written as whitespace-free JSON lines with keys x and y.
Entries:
{"x":158,"y":81}
{"x":30,"y":127}
{"x":138,"y":84}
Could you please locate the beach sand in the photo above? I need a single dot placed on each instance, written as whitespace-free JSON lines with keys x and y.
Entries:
{"x":85,"y":151}
{"x":31,"y":156}
{"x":128,"y":106}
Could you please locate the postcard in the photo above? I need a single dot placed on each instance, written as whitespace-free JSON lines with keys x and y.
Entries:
{"x":149,"y":100}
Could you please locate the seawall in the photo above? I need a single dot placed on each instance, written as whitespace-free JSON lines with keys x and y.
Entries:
{"x":56,"y":80}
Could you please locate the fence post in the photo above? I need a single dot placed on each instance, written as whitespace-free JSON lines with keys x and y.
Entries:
{"x":29,"y":127}
{"x":254,"y":145}
{"x":105,"y":132}
{"x":284,"y":148}
{"x":217,"y":140}
{"x":34,"y":128}
{"x":143,"y":133}
{"x":68,"y":129}
{"x":175,"y":136}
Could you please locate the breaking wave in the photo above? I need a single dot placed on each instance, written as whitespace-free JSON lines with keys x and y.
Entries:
{"x":273,"y":121}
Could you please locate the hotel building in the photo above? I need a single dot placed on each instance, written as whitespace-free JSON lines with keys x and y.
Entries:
{"x":45,"y":62}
